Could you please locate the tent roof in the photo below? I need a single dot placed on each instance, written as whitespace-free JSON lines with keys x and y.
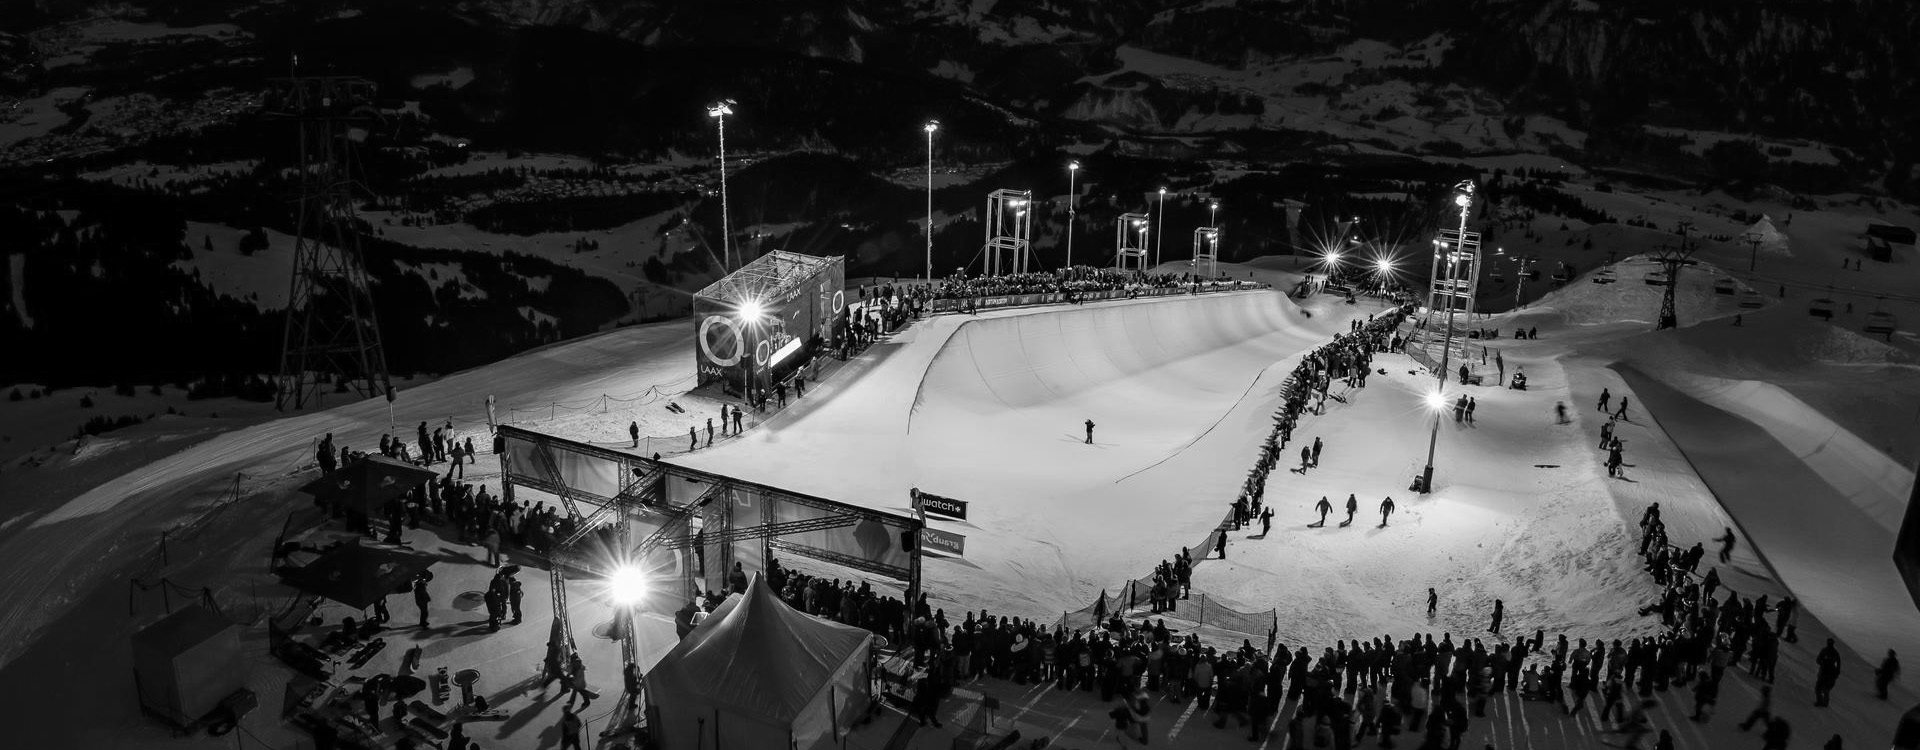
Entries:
{"x":1772,"y":240}
{"x":356,"y":575}
{"x":757,"y":656}
{"x":368,"y":483}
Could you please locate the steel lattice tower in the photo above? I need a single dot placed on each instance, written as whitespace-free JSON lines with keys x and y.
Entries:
{"x":1671,"y":260}
{"x":331,"y":326}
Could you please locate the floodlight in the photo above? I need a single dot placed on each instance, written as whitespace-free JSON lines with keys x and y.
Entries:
{"x":1384,"y":265}
{"x":751,"y":309}
{"x":1073,"y":165}
{"x":721,"y":108}
{"x":1461,"y":200}
{"x":1333,"y":257}
{"x":1436,"y":401}
{"x":932,"y":125}
{"x":626,"y":585}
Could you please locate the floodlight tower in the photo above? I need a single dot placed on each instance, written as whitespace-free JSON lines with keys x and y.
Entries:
{"x":1449,"y":260}
{"x":719,"y":111}
{"x":931,"y":126}
{"x":1073,"y":170}
{"x":1008,"y":224}
{"x":1213,"y":214}
{"x":1130,"y":242}
{"x":1157,"y":220}
{"x":331,"y":327}
{"x":1206,"y":246}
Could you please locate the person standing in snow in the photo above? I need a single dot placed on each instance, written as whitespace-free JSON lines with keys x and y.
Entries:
{"x":1499,"y":613}
{"x":1353,"y":506}
{"x":1433,"y":602}
{"x":1605,"y":397}
{"x":1266,"y":521}
{"x":1559,"y":412}
{"x":420,"y":599}
{"x":736,"y":420}
{"x":1316,"y":453}
{"x":1884,"y":676}
{"x":1220,"y":545}
{"x":1606,"y":434}
{"x":709,"y":432}
{"x":1089,"y":432}
{"x":1386,"y":509}
{"x":1827,"y":672}
{"x":1471,"y":403}
{"x":693,"y":438}
{"x":1622,"y":413}
{"x":1324,"y":507}
{"x":1726,"y":541}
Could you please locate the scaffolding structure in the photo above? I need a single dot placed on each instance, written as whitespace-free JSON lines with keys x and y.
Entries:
{"x":1009,"y":223}
{"x":331,"y":329}
{"x":760,"y":320}
{"x":1206,"y":247}
{"x":1455,"y":281}
{"x":1130,"y":242}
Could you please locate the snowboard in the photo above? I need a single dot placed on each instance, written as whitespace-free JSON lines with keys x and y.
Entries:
{"x":366,"y":653}
{"x":493,"y":714}
{"x":427,"y":712}
{"x":675,"y":408}
{"x":427,"y":728}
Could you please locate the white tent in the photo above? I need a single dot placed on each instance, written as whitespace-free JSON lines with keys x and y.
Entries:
{"x":1772,"y":241}
{"x":759,"y":674}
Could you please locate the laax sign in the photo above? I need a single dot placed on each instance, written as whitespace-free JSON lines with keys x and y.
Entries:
{"x":943,"y":543}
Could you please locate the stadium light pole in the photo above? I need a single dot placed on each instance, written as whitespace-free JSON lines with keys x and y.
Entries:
{"x":1462,"y":197}
{"x":931,"y":126}
{"x":1213,"y":215}
{"x":1073,"y":170}
{"x":719,"y":111}
{"x":1157,"y":221}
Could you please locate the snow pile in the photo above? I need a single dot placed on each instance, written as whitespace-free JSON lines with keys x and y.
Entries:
{"x":1764,"y":237}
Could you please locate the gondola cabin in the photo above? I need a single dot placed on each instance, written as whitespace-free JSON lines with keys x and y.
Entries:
{"x":1881,"y":323}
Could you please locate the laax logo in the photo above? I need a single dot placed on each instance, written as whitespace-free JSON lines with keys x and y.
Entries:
{"x":720,"y":340}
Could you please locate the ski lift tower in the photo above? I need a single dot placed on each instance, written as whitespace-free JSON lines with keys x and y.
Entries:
{"x":1456,"y":271}
{"x":1206,"y":247}
{"x":1009,"y":219}
{"x":1673,"y":259}
{"x":1130,"y":242}
{"x":331,"y":329}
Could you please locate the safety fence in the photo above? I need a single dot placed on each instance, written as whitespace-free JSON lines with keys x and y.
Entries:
{"x":1054,"y":298}
{"x":1201,"y":610}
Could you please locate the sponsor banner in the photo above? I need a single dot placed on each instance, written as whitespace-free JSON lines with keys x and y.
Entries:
{"x":943,"y":542}
{"x":943,"y":506}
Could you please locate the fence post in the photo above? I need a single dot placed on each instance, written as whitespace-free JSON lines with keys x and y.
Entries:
{"x":1202,"y":621}
{"x":163,"y":548}
{"x":166,"y":598}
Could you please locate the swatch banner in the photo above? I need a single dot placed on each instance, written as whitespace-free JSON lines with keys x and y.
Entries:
{"x":943,"y":506}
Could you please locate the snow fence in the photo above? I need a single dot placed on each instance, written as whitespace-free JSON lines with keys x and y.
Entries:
{"x":1217,"y":624}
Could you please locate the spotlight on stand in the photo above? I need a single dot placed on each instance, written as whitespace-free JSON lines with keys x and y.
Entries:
{"x":751,"y":310}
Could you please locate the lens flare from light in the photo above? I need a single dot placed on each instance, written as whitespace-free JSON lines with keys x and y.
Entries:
{"x":627,"y":585}
{"x":1436,"y":401}
{"x":752,"y":309}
